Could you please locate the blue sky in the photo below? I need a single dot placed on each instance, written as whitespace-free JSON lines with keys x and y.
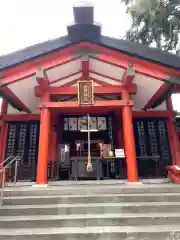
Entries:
{"x":27,"y":22}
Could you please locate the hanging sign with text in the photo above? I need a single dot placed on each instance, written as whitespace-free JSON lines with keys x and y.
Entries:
{"x":85,"y":92}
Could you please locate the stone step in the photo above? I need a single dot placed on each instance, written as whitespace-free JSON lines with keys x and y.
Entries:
{"x":100,"y":211}
{"x":90,"y":189}
{"x":96,"y":233}
{"x":92,"y":198}
{"x":90,"y":208}
{"x":157,"y":181}
{"x":85,"y":220}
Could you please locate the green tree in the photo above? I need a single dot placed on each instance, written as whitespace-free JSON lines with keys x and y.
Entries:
{"x":155,"y":22}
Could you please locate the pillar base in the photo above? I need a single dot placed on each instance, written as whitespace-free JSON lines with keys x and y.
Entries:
{"x":134,"y":183}
{"x":40,"y":185}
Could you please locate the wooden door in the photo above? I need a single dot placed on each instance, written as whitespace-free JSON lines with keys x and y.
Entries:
{"x":151,"y":140}
{"x":22,"y":140}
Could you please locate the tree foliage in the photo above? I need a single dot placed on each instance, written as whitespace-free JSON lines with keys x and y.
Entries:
{"x":155,"y":22}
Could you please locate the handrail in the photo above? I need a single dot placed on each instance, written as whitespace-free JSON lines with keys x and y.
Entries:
{"x":3,"y":172}
{"x":16,"y":158}
{"x":2,"y":163}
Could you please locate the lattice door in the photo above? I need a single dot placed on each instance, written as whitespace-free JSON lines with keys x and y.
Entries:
{"x":151,"y":141}
{"x":30,"y":159}
{"x":22,"y":140}
{"x":11,"y":140}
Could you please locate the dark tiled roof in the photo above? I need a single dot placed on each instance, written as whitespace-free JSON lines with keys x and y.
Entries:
{"x":143,"y":51}
{"x":138,"y":50}
{"x":32,"y":52}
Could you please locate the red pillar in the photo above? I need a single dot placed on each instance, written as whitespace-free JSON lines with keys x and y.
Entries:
{"x":129,"y":142}
{"x":173,"y":137}
{"x":3,"y":133}
{"x":43,"y":154}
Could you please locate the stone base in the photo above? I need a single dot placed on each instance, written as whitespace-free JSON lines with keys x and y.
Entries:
{"x":134,"y":183}
{"x":40,"y":185}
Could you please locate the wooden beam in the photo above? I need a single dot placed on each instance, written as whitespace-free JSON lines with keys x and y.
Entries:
{"x":65,"y":77}
{"x":85,"y":67}
{"x":15,"y":100}
{"x":105,"y":76}
{"x":97,"y":104}
{"x":99,"y":90}
{"x":146,"y":66}
{"x":69,"y":84}
{"x":66,"y":55}
{"x":29,"y":69}
{"x":42,"y":78}
{"x":128,"y":77}
{"x":153,"y":114}
{"x":99,"y":82}
{"x":22,"y":117}
{"x":138,"y":67}
{"x":165,"y":87}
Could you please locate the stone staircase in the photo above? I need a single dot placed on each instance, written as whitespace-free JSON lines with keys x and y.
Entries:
{"x":91,"y":211}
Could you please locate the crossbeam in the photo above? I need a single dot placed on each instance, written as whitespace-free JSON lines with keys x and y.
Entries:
{"x":97,"y":104}
{"x":128,"y":77}
{"x":98,"y":90}
{"x":42,"y":78}
{"x":14,"y":100}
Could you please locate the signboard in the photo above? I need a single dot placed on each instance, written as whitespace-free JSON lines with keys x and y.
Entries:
{"x":79,"y":123}
{"x":85,"y":92}
{"x":119,"y":153}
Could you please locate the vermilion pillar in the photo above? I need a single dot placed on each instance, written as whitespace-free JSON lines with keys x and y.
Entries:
{"x":3,"y":133}
{"x":43,"y":153}
{"x":173,"y":137}
{"x":129,"y":142}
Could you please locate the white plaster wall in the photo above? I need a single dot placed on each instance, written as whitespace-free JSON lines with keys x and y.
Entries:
{"x":106,"y":69}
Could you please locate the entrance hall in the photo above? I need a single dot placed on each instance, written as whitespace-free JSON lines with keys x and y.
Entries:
{"x":71,"y":147}
{"x":86,"y":106}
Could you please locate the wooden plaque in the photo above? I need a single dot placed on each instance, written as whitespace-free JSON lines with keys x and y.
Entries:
{"x":85,"y":92}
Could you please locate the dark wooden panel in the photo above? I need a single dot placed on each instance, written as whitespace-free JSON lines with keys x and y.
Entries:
{"x":22,"y":140}
{"x":140,"y":138}
{"x":164,"y":143}
{"x":151,"y":140}
{"x":11,"y":140}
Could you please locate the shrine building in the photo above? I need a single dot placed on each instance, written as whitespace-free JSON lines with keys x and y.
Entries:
{"x":88,"y":100}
